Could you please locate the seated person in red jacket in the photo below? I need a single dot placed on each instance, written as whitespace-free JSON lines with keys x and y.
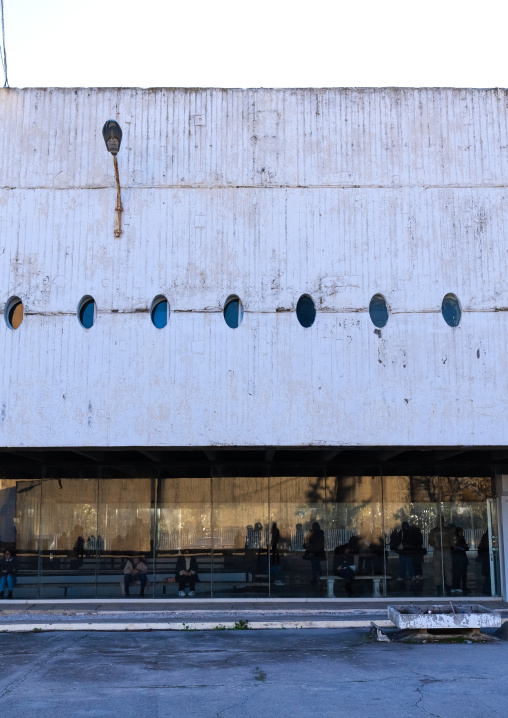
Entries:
{"x":186,"y":573}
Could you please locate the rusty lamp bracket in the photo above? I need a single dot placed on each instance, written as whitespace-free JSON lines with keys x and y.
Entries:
{"x":112,"y":133}
{"x":119,"y":208}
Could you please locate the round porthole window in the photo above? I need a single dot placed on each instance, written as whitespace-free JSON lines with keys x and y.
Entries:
{"x":87,"y":312}
{"x":233,"y":312}
{"x":159,"y":312}
{"x":378,"y":311}
{"x":450,"y":308}
{"x":305,"y":311}
{"x":13,"y":312}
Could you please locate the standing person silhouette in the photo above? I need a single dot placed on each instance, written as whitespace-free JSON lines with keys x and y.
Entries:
{"x":275,"y":542}
{"x":315,"y":550}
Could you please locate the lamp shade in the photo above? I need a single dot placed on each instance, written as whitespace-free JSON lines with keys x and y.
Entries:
{"x":112,"y":133}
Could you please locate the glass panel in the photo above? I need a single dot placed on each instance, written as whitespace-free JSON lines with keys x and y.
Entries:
{"x":297,"y":504}
{"x":19,"y":534}
{"x":412,"y":536}
{"x":184,"y":523}
{"x":450,"y":309}
{"x":494,"y":568}
{"x":68,"y":529}
{"x":356,"y":540}
{"x":306,"y":311}
{"x":378,"y":311}
{"x":124,"y":559}
{"x":233,"y":312}
{"x":160,"y":314}
{"x":410,"y":513}
{"x":435,"y":526}
{"x":466,"y":513}
{"x":241,"y":537}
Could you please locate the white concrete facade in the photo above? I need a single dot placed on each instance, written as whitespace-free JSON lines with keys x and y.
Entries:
{"x":267,"y":194}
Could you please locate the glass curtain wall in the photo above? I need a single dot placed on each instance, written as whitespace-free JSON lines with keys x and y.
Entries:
{"x":184,"y":538}
{"x":231,"y":535}
{"x":240,"y":549}
{"x":123,"y":547}
{"x":68,"y":525}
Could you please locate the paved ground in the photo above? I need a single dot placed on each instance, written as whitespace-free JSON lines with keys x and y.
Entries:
{"x":247,"y":674}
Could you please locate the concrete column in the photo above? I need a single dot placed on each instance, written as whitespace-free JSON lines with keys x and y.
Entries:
{"x":502,"y":509}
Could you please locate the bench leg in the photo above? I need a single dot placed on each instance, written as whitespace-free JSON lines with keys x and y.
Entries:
{"x":330,"y":582}
{"x":375,"y":584}
{"x":164,"y":589}
{"x":65,"y":591}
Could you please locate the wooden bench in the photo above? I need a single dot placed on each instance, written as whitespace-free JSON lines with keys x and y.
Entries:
{"x":376,"y":581}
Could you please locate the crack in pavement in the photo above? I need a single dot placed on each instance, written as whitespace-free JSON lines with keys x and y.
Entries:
{"x":41,"y":663}
{"x":420,"y":699}
{"x":220,"y":712}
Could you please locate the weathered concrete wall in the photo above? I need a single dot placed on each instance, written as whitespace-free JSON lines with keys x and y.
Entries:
{"x":267,"y":194}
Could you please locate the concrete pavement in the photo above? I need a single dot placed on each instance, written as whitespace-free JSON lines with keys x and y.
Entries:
{"x":227,"y":674}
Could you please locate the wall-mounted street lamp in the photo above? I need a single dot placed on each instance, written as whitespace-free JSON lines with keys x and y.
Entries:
{"x":112,"y":133}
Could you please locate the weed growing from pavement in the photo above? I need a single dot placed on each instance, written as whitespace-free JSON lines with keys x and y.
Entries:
{"x":259,"y":675}
{"x":220,"y":627}
{"x":241,"y":625}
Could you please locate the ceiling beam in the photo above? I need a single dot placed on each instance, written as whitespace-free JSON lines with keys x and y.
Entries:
{"x":387,"y":455}
{"x":27,"y":455}
{"x":330,"y":455}
{"x":443,"y":455}
{"x":88,"y":455}
{"x":150,"y":455}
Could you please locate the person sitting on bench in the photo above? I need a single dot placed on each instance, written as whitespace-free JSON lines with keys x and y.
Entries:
{"x":264,"y":568}
{"x":344,"y":566}
{"x":135,"y":570}
{"x":186,"y":573}
{"x":8,"y":571}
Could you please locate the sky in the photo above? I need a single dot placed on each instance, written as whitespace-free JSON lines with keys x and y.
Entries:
{"x":268,"y":43}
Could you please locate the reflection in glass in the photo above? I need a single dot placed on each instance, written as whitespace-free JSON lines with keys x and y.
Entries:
{"x":279,"y":536}
{"x":241,"y":541}
{"x":450,"y":309}
{"x":297,"y":503}
{"x":20,"y":503}
{"x":356,"y":534}
{"x":184,"y":523}
{"x":68,"y":522}
{"x":124,"y":524}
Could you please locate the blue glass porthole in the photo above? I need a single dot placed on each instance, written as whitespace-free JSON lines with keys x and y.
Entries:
{"x":233,"y":312}
{"x":305,"y":311}
{"x":86,"y":312}
{"x":378,"y":311}
{"x":159,"y":312}
{"x":450,"y":309}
